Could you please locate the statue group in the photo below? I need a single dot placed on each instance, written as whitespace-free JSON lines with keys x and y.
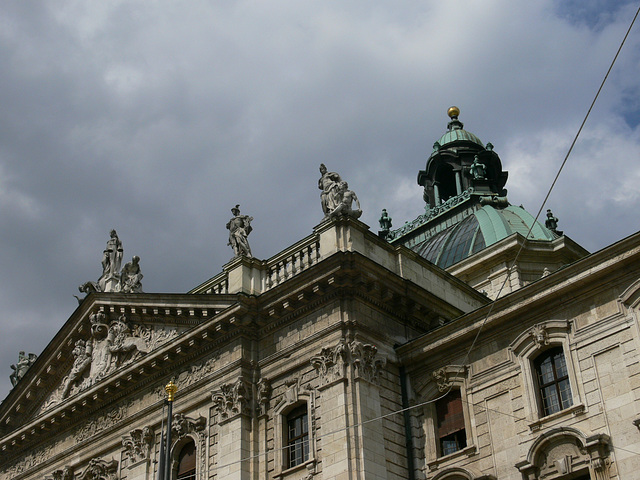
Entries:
{"x":113,"y":279}
{"x":336,"y":199}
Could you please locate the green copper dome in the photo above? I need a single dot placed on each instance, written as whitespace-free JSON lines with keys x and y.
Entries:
{"x":486,"y":226}
{"x":458,"y":135}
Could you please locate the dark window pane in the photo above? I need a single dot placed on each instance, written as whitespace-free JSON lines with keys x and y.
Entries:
{"x":297,"y":437}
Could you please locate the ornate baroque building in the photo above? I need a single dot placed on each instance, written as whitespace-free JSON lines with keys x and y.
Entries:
{"x":472,"y":343}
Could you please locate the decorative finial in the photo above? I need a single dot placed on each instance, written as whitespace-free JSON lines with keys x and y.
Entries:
{"x":171,"y":389}
{"x":453,"y":112}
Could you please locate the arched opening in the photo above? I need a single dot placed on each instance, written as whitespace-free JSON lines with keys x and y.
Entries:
{"x":187,"y":462}
{"x":445,"y":181}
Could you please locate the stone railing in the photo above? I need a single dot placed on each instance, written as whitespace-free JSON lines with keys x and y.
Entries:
{"x":292,"y":261}
{"x":253,"y":276}
{"x":218,"y":284}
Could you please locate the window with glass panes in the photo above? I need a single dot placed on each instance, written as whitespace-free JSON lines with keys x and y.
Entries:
{"x":297,"y":437}
{"x":553,"y":381}
{"x":450,"y":427}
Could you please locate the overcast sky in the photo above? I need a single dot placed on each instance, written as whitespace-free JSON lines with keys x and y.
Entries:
{"x":156,"y":117}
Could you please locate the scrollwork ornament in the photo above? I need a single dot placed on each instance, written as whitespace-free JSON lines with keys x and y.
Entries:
{"x":137,"y":444}
{"x":232,"y":399}
{"x":540,"y":336}
{"x":99,"y":469}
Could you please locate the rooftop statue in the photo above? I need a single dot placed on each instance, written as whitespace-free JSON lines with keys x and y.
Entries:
{"x":478,"y":170}
{"x":127,"y":280}
{"x":346,"y":198}
{"x":552,"y":223}
{"x":336,"y":199}
{"x":111,"y":259}
{"x":385,"y":224}
{"x":24,"y":362}
{"x":329,"y":184}
{"x":239,"y":229}
{"x":131,"y":276}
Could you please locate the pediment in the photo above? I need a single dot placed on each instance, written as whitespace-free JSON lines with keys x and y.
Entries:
{"x":108,"y":336}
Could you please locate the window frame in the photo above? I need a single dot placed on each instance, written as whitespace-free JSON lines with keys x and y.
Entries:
{"x":529,"y":346}
{"x":299,"y":414}
{"x":451,"y":377}
{"x":292,"y":399}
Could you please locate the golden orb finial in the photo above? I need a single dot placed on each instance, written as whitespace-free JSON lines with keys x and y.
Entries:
{"x":171,"y":389}
{"x":453,"y":112}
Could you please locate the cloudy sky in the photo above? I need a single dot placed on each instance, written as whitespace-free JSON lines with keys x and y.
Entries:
{"x":156,"y":117}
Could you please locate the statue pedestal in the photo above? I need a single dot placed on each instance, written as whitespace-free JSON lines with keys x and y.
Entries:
{"x":111,"y":284}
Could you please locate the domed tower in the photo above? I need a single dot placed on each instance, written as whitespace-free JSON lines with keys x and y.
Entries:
{"x":461,"y":163}
{"x":467,"y":211}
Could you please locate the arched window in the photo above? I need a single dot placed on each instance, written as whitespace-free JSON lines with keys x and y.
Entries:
{"x":187,"y":462}
{"x":297,"y":436}
{"x":552,"y":378}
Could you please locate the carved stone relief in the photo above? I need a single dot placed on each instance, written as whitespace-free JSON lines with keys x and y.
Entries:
{"x":137,"y":445}
{"x":98,"y":469}
{"x":183,"y":426}
{"x":445,"y":377}
{"x":540,"y":335}
{"x":232,"y":399}
{"x":63,"y":474}
{"x":110,"y":346}
{"x":264,"y":394}
{"x":331,"y":363}
{"x":102,"y":422}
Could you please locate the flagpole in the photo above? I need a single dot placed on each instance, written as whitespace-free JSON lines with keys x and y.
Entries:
{"x":171,"y":389}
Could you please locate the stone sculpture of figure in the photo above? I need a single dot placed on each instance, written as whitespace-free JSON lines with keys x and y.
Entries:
{"x":239,"y":229}
{"x":112,"y":257}
{"x":131,"y":276}
{"x":346,"y":198}
{"x":83,"y":353}
{"x":329,"y":184}
{"x":478,"y":170}
{"x":385,"y":221}
{"x":552,"y":222}
{"x":24,"y":362}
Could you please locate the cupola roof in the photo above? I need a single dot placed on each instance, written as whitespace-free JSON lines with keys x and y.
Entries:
{"x":456,"y":132}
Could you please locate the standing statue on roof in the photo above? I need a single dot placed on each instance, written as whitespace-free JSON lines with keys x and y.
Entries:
{"x":24,"y":362}
{"x":552,"y":223}
{"x":239,"y":229}
{"x":111,"y":261}
{"x":329,"y":183}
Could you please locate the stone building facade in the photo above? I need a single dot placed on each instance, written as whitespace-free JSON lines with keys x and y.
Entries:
{"x":473,"y":343}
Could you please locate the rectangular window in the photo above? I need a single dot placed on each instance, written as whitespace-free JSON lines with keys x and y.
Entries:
{"x":553,"y":381}
{"x":450,"y":427}
{"x":297,"y":437}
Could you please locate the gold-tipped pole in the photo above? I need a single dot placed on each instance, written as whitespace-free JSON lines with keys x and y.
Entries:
{"x":171,"y":389}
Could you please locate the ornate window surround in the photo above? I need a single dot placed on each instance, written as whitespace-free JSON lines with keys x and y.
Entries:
{"x":446,"y":378}
{"x":184,"y":430}
{"x":526,"y":348}
{"x":293,"y":398}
